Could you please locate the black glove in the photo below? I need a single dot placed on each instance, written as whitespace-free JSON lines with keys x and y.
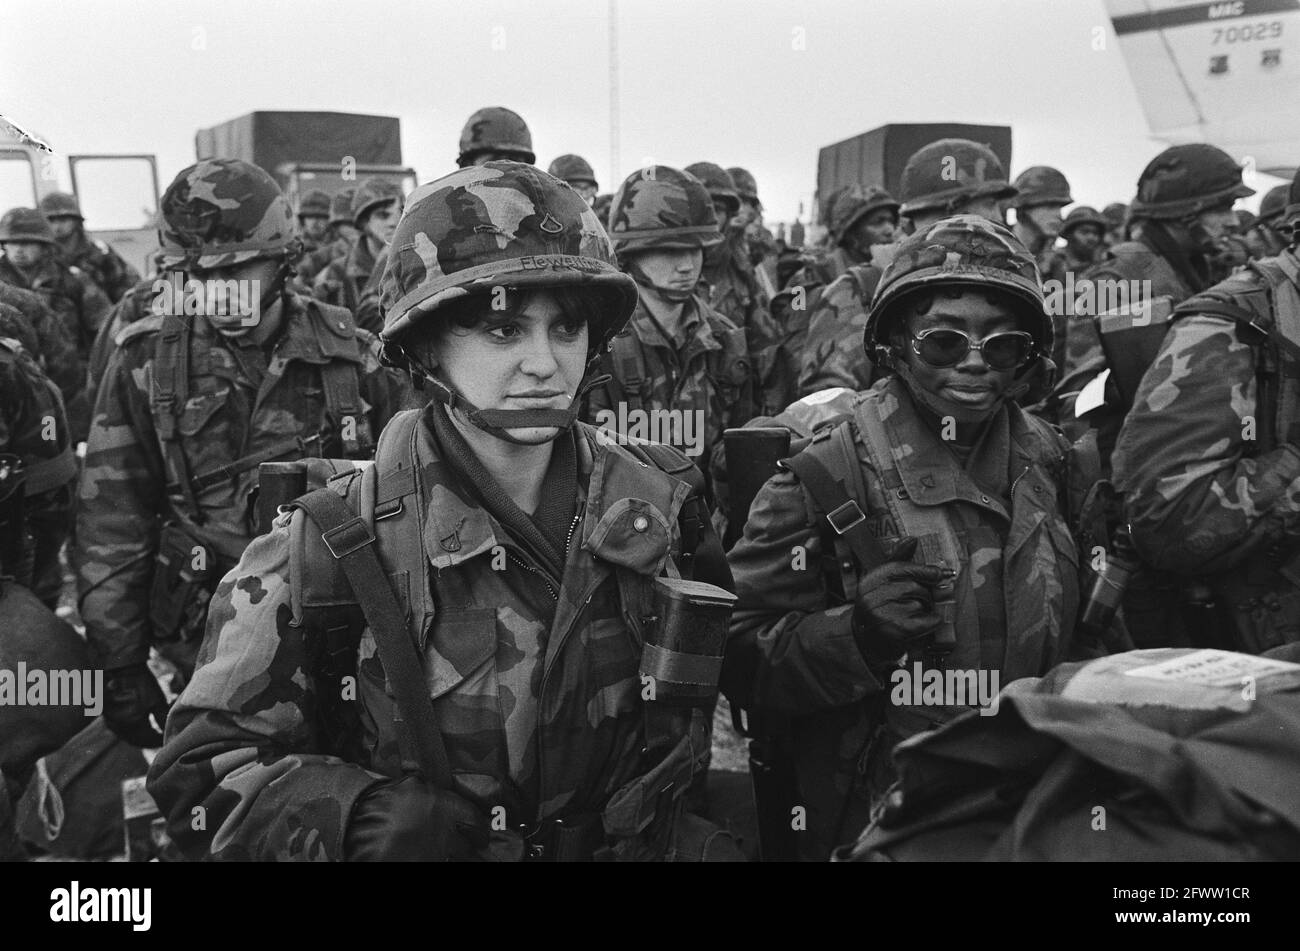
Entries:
{"x":895,"y":605}
{"x":134,"y":706}
{"x":407,"y":820}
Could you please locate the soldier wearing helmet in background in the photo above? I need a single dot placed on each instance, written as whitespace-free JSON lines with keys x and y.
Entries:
{"x":231,"y":369}
{"x":1043,"y":192}
{"x":1116,"y":215}
{"x":100,"y":263}
{"x":53,"y":346}
{"x":1210,"y":453}
{"x":37,"y":466}
{"x":546,"y":540}
{"x":376,"y":207}
{"x":1182,"y":212}
{"x":676,"y":353}
{"x":31,"y":262}
{"x":954,"y":177}
{"x":932,"y":525}
{"x":1262,"y":237}
{"x":313,"y":220}
{"x":340,"y":235}
{"x":493,"y":134}
{"x":763,"y":248}
{"x":831,"y":355}
{"x":730,"y":285}
{"x":577,"y":172}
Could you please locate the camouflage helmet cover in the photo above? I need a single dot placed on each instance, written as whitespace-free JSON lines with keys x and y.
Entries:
{"x":372,"y":192}
{"x":1083,"y":215}
{"x":944,"y":175}
{"x":341,"y":207}
{"x":662,"y":208}
{"x":60,"y":205}
{"x":314,"y":204}
{"x":25,"y":224}
{"x":746,"y":184}
{"x":718,"y":183}
{"x":220,"y":212}
{"x":501,"y":224}
{"x":573,"y":168}
{"x":1185,"y":180}
{"x":495,"y":129}
{"x":1041,"y":185}
{"x":964,"y":250}
{"x":854,"y":203}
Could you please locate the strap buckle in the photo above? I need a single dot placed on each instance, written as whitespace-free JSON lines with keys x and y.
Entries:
{"x":845,"y":517}
{"x":352,"y":535}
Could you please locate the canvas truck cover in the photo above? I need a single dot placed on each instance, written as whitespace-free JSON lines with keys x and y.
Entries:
{"x":877,"y":157}
{"x":271,"y":139}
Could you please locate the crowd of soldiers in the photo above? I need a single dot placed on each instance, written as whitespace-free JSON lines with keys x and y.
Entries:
{"x":957,"y":447}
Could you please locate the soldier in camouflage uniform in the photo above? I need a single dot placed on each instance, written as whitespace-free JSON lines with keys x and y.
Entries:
{"x":376,"y":206}
{"x":30,"y":262}
{"x":340,"y":235}
{"x":37,"y":466}
{"x":677,"y":353}
{"x":53,"y":346}
{"x":1263,"y":237}
{"x":949,"y":548}
{"x":545,"y":538}
{"x":577,"y":173}
{"x":1083,"y":231}
{"x":1043,"y":192}
{"x":1209,"y":457}
{"x":194,"y":398}
{"x":96,"y":259}
{"x":833,"y":354}
{"x":730,"y":285}
{"x":313,"y":220}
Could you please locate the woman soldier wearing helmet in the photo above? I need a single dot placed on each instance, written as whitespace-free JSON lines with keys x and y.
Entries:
{"x":522,"y":554}
{"x":923,"y":534}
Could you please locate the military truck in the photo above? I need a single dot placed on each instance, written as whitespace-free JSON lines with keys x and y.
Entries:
{"x":877,"y":157}
{"x":118,"y":194}
{"x":307,"y":151}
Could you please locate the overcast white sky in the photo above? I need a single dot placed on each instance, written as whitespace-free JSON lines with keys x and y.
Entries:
{"x":715,"y":80}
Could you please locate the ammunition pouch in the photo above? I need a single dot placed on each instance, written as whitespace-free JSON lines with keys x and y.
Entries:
{"x":729,"y":368}
{"x":185,"y":576}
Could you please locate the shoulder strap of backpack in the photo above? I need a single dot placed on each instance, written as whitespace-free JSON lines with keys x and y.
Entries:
{"x":350,"y":541}
{"x":343,"y":403}
{"x":629,"y":363}
{"x":171,"y":387}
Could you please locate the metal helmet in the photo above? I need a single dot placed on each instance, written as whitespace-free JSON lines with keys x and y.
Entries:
{"x":1274,"y":203}
{"x":495,"y":129}
{"x":1115,"y":214}
{"x":946,"y":174}
{"x":1184,"y":180}
{"x":314,"y":204}
{"x":746,"y":185}
{"x":502,"y":224}
{"x":659,"y":208}
{"x":25,"y":224}
{"x":60,"y":205}
{"x":964,"y":250}
{"x":573,"y":168}
{"x":1040,"y":185}
{"x":341,"y":207}
{"x":220,"y":212}
{"x":1083,"y":215}
{"x":1291,"y":213}
{"x":372,"y":192}
{"x":854,"y":203}
{"x":718,"y":183}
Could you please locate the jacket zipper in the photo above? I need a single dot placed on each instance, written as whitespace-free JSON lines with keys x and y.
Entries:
{"x":546,"y":580}
{"x":1012,"y":493}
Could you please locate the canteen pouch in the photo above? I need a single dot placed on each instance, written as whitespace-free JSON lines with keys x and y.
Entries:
{"x":684,"y":641}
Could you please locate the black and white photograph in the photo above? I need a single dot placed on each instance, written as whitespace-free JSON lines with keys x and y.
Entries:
{"x":638,"y":431}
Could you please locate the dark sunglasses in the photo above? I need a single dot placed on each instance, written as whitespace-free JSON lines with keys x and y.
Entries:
{"x":940,"y":347}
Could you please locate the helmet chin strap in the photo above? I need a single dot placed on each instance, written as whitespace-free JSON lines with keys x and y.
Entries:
{"x":674,"y":295}
{"x":499,"y":422}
